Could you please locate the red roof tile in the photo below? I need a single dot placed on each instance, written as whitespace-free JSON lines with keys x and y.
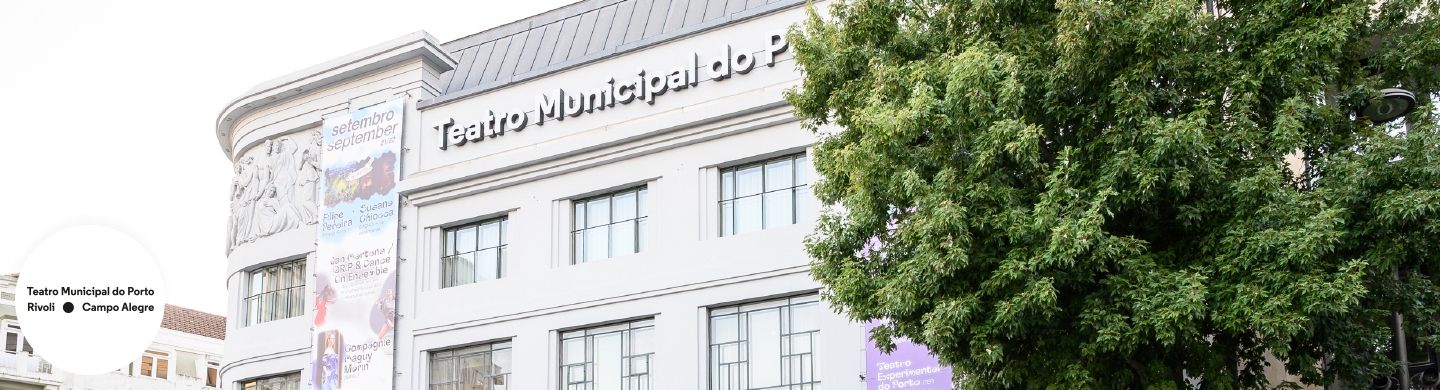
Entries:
{"x":194,"y":322}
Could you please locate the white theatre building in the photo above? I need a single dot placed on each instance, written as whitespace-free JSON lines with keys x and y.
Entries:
{"x":609,"y":195}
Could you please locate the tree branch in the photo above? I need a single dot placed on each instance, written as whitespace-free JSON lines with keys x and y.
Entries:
{"x":1139,"y":371}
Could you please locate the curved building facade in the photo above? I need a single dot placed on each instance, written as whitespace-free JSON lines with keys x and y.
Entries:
{"x":609,"y":195}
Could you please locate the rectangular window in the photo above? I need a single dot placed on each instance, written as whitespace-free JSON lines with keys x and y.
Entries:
{"x":764,"y":345}
{"x":763,"y":195}
{"x":610,"y":225}
{"x":474,"y":253}
{"x":480,"y":367}
{"x":276,"y":292}
{"x":155,"y":364}
{"x":212,"y":374}
{"x":15,"y":341}
{"x":278,"y":382}
{"x":610,"y":357}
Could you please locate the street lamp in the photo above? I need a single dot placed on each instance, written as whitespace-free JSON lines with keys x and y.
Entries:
{"x":1394,"y":104}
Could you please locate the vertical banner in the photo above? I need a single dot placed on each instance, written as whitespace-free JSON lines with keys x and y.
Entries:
{"x":910,"y":366}
{"x":355,"y":262}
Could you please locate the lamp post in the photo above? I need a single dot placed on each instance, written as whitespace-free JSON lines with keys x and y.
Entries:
{"x":1394,"y":104}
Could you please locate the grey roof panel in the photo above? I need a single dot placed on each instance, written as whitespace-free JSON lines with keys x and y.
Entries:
{"x":490,"y":35}
{"x":708,"y":10}
{"x":528,"y":53}
{"x":638,"y":18}
{"x":457,"y":77}
{"x":620,"y":24}
{"x":574,"y":9}
{"x":733,"y":6}
{"x":583,"y":34}
{"x":445,"y":78}
{"x":477,"y":69}
{"x":497,"y":57}
{"x":547,"y":46}
{"x":659,"y":13}
{"x":580,"y":33}
{"x":567,"y":36}
{"x":676,"y":18}
{"x":517,"y":46}
{"x":602,"y":29}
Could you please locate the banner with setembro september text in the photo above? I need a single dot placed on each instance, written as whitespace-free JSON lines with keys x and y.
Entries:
{"x":355,"y":261}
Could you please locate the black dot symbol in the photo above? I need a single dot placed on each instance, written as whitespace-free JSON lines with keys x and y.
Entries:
{"x":69,"y":307}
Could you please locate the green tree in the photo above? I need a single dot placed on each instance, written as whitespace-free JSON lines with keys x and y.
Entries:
{"x":1095,"y":194}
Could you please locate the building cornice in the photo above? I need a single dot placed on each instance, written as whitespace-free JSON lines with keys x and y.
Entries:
{"x":419,"y":44}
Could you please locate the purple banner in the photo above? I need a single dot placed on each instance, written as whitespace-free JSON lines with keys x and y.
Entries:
{"x":909,"y":367}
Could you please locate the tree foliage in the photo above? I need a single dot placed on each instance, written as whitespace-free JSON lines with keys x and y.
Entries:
{"x":1095,"y":194}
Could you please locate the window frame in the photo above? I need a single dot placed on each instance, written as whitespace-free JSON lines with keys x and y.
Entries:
{"x":255,"y":309}
{"x":629,"y":380}
{"x":255,"y":383}
{"x":21,"y":343}
{"x":799,"y":190}
{"x":449,"y":238}
{"x":786,"y":321}
{"x":212,"y":374}
{"x":157,"y":357}
{"x":471,"y":350}
{"x":641,"y":219}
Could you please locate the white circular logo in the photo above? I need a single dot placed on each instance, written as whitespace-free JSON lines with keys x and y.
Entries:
{"x":90,"y":299}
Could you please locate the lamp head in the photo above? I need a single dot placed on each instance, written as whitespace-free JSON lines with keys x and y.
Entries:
{"x":1430,"y":378}
{"x":1394,"y":103}
{"x":1382,"y":383}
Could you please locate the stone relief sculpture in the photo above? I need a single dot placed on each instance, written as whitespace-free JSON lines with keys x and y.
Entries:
{"x":310,"y":191}
{"x":276,"y":188}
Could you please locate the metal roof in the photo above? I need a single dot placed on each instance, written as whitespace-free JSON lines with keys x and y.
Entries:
{"x":580,"y":33}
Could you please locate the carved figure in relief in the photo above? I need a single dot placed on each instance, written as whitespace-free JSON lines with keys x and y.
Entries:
{"x":310,"y":193}
{"x":274,"y":215}
{"x":282,"y":168}
{"x":262,"y":164}
{"x":284,"y":173}
{"x":239,"y":218}
{"x":254,"y":188}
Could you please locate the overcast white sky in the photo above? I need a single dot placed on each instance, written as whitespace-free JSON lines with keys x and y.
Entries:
{"x":108,"y":109}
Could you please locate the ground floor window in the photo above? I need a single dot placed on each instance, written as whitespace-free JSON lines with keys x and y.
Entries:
{"x":155,"y":364}
{"x":610,"y":357}
{"x":480,"y":367}
{"x":766,"y":345}
{"x":278,"y":382}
